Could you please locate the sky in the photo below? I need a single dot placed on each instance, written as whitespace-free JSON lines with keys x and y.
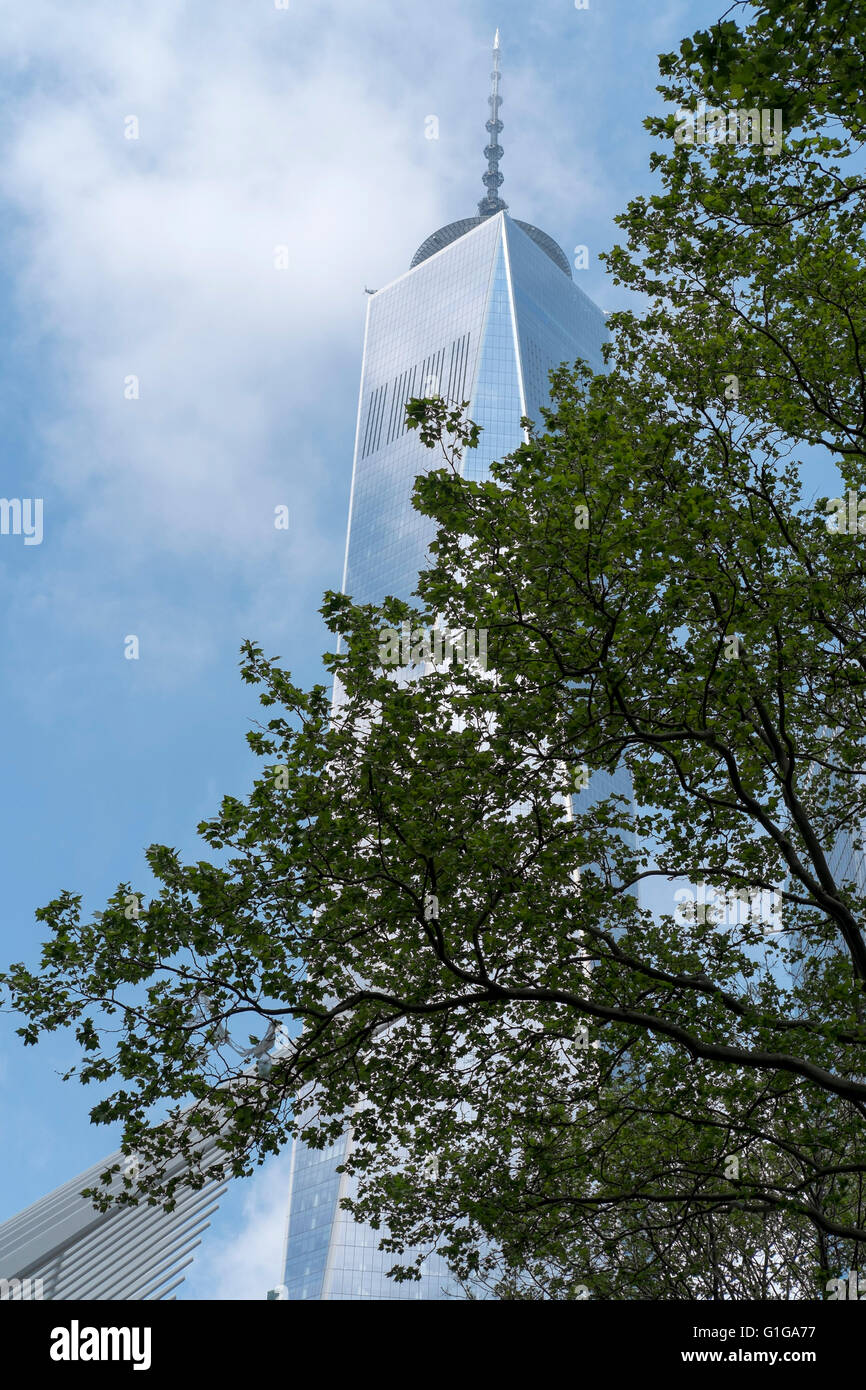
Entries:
{"x":192,"y":200}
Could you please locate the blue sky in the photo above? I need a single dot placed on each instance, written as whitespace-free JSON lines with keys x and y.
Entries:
{"x":154,"y":257}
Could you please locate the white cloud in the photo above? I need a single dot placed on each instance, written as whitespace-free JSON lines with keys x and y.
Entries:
{"x":155,"y":258}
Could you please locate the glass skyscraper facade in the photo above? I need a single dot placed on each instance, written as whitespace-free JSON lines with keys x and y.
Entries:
{"x":482,"y":320}
{"x":486,"y":310}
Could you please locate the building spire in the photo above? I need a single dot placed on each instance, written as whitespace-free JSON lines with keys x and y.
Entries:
{"x":493,"y":152}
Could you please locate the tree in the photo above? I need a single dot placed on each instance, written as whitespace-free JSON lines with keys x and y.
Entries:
{"x":567,"y":1093}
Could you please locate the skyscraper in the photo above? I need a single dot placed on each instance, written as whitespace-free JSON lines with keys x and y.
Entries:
{"x":485,"y":311}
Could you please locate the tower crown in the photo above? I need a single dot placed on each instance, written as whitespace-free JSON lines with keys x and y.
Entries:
{"x":491,"y":203}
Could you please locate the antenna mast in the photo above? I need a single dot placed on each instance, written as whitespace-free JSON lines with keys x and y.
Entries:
{"x":493,"y":152}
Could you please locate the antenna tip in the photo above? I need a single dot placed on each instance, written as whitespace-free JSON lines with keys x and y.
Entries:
{"x":496,"y":40}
